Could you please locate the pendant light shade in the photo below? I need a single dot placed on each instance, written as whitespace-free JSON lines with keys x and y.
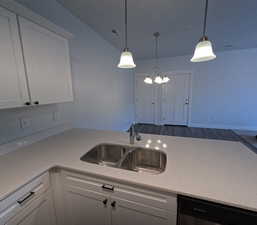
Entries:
{"x":203,"y":50}
{"x":126,"y":58}
{"x":165,"y":79}
{"x":148,"y":80}
{"x":158,"y":80}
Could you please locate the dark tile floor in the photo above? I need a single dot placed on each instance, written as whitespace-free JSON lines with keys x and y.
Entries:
{"x":183,"y":131}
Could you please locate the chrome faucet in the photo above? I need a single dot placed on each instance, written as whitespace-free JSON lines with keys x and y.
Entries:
{"x":133,"y":134}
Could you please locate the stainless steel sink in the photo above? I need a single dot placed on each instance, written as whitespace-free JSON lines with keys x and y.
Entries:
{"x":127,"y":157}
{"x":105,"y":155}
{"x":145,"y":160}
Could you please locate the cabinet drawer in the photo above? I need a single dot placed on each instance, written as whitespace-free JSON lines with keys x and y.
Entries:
{"x":85,"y":182}
{"x":10,"y":206}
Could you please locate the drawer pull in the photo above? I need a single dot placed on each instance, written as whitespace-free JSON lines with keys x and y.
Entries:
{"x":108,"y":187}
{"x":26,"y":198}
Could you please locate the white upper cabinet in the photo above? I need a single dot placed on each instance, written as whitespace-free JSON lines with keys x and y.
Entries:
{"x":13,"y":88}
{"x":47,"y":63}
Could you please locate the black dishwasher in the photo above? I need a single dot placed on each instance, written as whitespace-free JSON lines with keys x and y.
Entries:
{"x":198,"y":212}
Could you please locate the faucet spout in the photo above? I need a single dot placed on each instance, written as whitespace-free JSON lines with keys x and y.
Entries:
{"x":124,"y":157}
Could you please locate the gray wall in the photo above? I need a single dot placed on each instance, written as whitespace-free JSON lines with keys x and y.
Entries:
{"x":223,"y":90}
{"x":103,"y":93}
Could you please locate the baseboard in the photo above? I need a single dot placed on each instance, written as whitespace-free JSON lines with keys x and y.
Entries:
{"x":28,"y":140}
{"x":223,"y":126}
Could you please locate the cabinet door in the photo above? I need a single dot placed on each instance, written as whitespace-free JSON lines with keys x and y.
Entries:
{"x":13,"y":87}
{"x":39,"y":212}
{"x":47,"y":63}
{"x":85,"y":207}
{"x":138,"y":207}
{"x":127,"y":213}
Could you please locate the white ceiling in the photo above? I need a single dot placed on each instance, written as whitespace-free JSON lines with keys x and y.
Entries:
{"x":232,"y":24}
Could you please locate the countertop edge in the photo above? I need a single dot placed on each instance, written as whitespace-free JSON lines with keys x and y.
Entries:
{"x":128,"y":182}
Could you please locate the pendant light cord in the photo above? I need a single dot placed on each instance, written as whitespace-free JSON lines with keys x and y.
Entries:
{"x":126,"y":25}
{"x":156,"y":51}
{"x":205,"y":18}
{"x":156,"y":35}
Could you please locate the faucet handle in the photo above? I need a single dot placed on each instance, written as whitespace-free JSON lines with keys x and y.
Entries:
{"x":138,"y":137}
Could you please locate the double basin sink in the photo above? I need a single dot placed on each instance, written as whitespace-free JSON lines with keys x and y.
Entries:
{"x":131,"y":158}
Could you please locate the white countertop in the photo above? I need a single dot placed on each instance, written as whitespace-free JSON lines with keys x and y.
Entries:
{"x":220,"y":171}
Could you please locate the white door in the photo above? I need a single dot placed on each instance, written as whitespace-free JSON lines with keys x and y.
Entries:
{"x":175,"y":100}
{"x":13,"y":87}
{"x":145,"y":97}
{"x":47,"y":63}
{"x":85,"y":207}
{"x":39,"y":212}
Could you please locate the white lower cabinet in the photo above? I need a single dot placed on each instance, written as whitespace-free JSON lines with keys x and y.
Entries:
{"x":137,"y":207}
{"x":98,"y":202}
{"x":39,"y":212}
{"x":67,"y":198}
{"x":85,"y":207}
{"x":127,"y":213}
{"x":30,"y":205}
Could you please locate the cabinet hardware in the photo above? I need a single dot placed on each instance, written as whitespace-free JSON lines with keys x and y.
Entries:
{"x":36,"y":103}
{"x":113,"y":204}
{"x":26,"y":198}
{"x":108,"y":187}
{"x":27,"y":103}
{"x":105,"y":201}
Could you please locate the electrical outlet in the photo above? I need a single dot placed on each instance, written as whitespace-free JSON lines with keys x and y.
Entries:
{"x":25,"y":123}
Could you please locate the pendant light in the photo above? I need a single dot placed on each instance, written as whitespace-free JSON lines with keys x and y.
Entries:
{"x":126,"y":59}
{"x":159,"y":79}
{"x":203,"y":51}
{"x":148,"y":80}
